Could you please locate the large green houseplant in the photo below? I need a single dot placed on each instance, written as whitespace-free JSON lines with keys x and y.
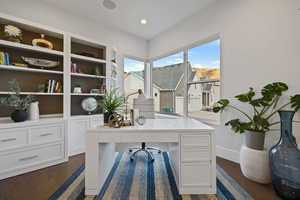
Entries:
{"x":263,"y":109}
{"x":110,"y":103}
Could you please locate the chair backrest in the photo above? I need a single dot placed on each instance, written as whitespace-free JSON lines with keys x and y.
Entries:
{"x":145,"y":106}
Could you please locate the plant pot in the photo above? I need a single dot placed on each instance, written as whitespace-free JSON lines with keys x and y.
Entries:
{"x":19,"y":115}
{"x":255,"y":165}
{"x":255,"y":140}
{"x":106,"y":117}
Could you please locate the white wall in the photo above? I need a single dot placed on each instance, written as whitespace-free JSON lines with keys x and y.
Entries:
{"x":260,"y":42}
{"x":40,"y":12}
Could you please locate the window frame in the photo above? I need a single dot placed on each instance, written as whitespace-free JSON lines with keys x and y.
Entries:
{"x":185,"y":50}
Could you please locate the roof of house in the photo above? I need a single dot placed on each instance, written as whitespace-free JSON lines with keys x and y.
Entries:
{"x":167,"y":77}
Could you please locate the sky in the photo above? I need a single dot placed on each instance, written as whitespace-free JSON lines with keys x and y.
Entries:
{"x":204,"y":56}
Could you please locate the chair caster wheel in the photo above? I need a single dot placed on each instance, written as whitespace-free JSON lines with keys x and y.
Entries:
{"x":130,"y":150}
{"x":131,"y":159}
{"x":152,"y":160}
{"x":159,"y":151}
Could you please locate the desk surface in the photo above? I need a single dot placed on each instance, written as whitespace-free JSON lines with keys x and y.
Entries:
{"x":160,"y":125}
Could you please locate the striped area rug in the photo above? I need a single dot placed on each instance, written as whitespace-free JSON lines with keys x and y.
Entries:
{"x":142,"y":180}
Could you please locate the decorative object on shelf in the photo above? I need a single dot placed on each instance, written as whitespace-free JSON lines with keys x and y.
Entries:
{"x":33,"y":111}
{"x":12,"y":33}
{"x":102,"y":89}
{"x":97,"y":71}
{"x":110,"y":103}
{"x":77,"y":89}
{"x":115,"y":120}
{"x":285,"y":160}
{"x":73,"y":68}
{"x":16,"y":101}
{"x":42,"y":63}
{"x":257,"y":124}
{"x":95,"y":91}
{"x":41,"y":42}
{"x":19,"y":64}
{"x":89,"y":105}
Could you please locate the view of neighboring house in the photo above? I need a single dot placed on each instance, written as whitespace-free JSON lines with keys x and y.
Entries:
{"x":168,"y":92}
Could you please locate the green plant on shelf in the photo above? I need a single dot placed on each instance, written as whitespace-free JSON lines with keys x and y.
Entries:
{"x":15,"y":99}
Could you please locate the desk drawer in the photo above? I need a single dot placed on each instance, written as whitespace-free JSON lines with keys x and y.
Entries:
{"x":27,"y":158}
{"x":13,"y":138}
{"x":196,"y":174}
{"x":46,"y":133}
{"x":195,"y":154}
{"x":195,"y":140}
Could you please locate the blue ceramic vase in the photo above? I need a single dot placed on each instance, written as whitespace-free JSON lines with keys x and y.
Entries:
{"x":285,"y":161}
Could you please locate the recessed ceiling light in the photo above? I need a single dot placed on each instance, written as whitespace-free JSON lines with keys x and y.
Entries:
{"x":143,"y":21}
{"x":109,"y":4}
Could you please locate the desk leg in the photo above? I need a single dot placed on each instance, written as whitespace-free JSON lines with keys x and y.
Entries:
{"x":99,"y":159}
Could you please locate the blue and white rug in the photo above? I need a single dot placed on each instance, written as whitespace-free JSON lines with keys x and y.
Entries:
{"x":142,"y":180}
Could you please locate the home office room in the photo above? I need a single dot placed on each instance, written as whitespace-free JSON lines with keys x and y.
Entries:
{"x":149,"y":100}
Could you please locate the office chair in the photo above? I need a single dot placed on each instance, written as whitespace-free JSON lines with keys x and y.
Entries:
{"x":146,"y":109}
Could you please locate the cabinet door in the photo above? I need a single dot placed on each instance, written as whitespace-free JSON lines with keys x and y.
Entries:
{"x":77,"y":134}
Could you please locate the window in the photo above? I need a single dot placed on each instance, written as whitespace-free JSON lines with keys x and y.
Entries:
{"x":133,"y":78}
{"x":204,"y":85}
{"x":168,"y":84}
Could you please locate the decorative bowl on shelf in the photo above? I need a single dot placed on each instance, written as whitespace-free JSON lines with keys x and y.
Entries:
{"x":42,"y":63}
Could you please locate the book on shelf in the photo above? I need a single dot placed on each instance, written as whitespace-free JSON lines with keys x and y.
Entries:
{"x":4,"y":58}
{"x":53,"y":86}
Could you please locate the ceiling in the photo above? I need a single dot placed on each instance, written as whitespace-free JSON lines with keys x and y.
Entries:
{"x":160,"y":14}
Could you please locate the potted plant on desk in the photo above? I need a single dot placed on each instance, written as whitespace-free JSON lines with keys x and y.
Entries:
{"x":253,"y":157}
{"x":16,"y":101}
{"x":110,"y":103}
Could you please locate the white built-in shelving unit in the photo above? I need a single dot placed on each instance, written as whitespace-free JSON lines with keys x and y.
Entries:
{"x":61,"y":114}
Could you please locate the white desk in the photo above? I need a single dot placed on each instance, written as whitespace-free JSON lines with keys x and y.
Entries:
{"x":191,"y":151}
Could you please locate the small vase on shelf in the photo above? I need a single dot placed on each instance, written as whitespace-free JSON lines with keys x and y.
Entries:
{"x":285,"y":161}
{"x":19,"y":115}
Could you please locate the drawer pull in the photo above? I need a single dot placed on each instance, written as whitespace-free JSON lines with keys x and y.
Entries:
{"x":46,"y":134}
{"x":8,"y":139}
{"x":28,"y":158}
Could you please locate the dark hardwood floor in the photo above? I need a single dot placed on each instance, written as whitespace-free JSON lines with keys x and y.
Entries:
{"x":40,"y":184}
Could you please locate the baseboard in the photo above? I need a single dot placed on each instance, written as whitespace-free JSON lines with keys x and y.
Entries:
{"x":228,"y":154}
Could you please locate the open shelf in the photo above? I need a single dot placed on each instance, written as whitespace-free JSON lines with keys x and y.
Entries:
{"x":33,"y":93}
{"x":87,"y":75}
{"x":86,"y":94}
{"x":86,"y":58}
{"x":27,"y":69}
{"x":30,"y":48}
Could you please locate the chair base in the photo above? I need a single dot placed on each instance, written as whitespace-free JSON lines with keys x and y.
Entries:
{"x":146,"y":150}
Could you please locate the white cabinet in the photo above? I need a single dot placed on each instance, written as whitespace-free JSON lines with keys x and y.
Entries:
{"x":77,"y":131}
{"x":31,"y":145}
{"x":196,"y":155}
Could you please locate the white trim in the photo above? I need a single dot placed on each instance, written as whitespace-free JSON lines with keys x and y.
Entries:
{"x":228,"y":154}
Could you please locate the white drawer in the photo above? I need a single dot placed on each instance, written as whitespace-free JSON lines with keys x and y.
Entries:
{"x":196,"y":174}
{"x":30,"y":157}
{"x":195,"y":140}
{"x":44,"y":134}
{"x":13,"y":138}
{"x":194,"y":154}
